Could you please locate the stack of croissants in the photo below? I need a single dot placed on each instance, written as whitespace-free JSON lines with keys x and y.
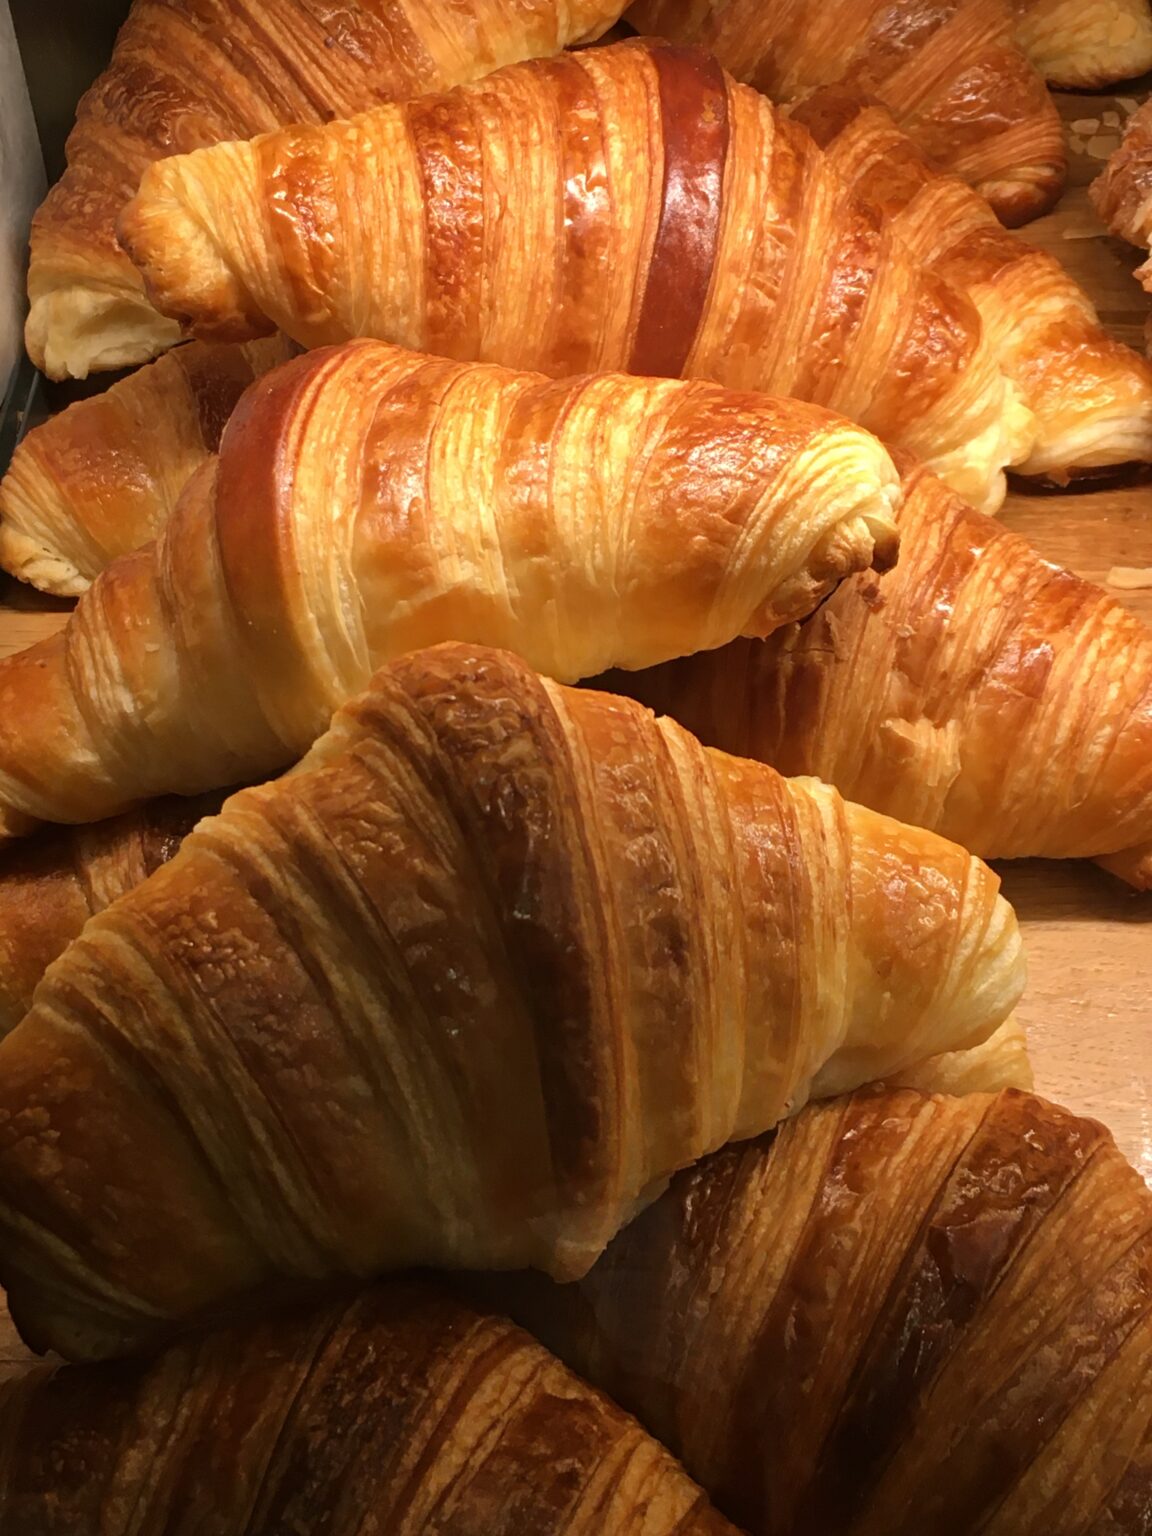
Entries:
{"x":506,"y":1027}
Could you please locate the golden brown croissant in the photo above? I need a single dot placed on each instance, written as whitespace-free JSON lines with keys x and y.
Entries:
{"x":402,"y":1412}
{"x":102,"y":477}
{"x":1091,"y":397}
{"x":187,"y":73}
{"x":949,"y":71}
{"x":626,"y":207}
{"x":976,"y":690}
{"x":369,"y":500}
{"x":51,"y":885}
{"x":462,"y":990}
{"x":1122,"y":193}
{"x":901,"y":1315}
{"x":1085,"y":43}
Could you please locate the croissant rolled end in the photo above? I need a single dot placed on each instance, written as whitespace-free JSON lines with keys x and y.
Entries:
{"x":1133,"y":866}
{"x":76,"y":329}
{"x":1028,"y":194}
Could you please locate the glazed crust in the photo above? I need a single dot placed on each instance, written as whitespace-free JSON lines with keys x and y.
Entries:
{"x":369,"y":500}
{"x":623,"y":207}
{"x":1085,"y":44}
{"x":102,"y":477}
{"x":976,"y":690}
{"x":51,"y":886}
{"x":949,"y":71}
{"x":402,"y":1408}
{"x":1122,"y":193}
{"x":186,"y":75}
{"x":461,"y":991}
{"x":1091,"y":397}
{"x":819,"y":1323}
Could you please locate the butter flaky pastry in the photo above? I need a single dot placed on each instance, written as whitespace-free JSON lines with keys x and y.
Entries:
{"x":1122,"y":193}
{"x":900,"y":1315}
{"x":1080,"y":44}
{"x":461,"y":991}
{"x":184,"y":75}
{"x":976,"y":689}
{"x":1090,"y":396}
{"x":628,"y":207}
{"x":101,"y":477}
{"x":950,"y":71}
{"x":369,"y":500}
{"x":400,"y":1411}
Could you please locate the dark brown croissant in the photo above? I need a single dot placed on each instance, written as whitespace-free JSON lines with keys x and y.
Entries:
{"x":975,"y":689}
{"x":51,"y":885}
{"x":185,"y":73}
{"x":901,"y":1315}
{"x":949,"y":71}
{"x":463,"y":990}
{"x":628,"y":207}
{"x":402,"y":1412}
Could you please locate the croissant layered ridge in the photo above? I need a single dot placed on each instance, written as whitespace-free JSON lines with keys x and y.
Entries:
{"x":401,"y":1407}
{"x":976,"y":689}
{"x":1090,"y":396}
{"x":1081,"y":44}
{"x":818,"y":1323}
{"x":368,"y":501}
{"x":628,"y":207}
{"x":102,"y":477}
{"x":183,"y":76}
{"x":461,"y":991}
{"x":1122,"y":193}
{"x":949,"y":71}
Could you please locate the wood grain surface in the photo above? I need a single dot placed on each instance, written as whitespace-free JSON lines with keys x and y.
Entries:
{"x":1089,"y":938}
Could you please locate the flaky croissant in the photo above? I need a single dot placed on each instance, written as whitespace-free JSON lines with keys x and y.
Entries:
{"x":625,"y":207}
{"x":462,"y":990}
{"x":901,"y":1315}
{"x":102,"y":477}
{"x":369,"y":500}
{"x":1122,"y":193}
{"x":951,"y":74}
{"x":1085,"y":43}
{"x":402,"y":1412}
{"x":51,"y":885}
{"x":1091,"y":397}
{"x":976,"y":690}
{"x":187,"y":73}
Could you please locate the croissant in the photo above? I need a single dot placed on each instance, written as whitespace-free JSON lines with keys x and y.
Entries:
{"x":479,"y":225}
{"x":401,"y":1411}
{"x":902,"y":1314}
{"x":187,"y":73}
{"x":951,"y":74}
{"x":1084,"y":44}
{"x":51,"y":885}
{"x":976,"y":690}
{"x":1121,"y":193}
{"x":1091,"y":397}
{"x":461,"y":991}
{"x":102,"y":477}
{"x":368,"y":501}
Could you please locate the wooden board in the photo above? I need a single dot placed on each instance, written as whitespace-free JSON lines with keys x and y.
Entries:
{"x":1089,"y":939}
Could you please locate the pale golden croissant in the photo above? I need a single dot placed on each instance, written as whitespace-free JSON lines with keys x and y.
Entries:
{"x":402,"y":1412}
{"x":462,"y":990}
{"x":1086,"y":43}
{"x":951,"y":74}
{"x":1091,"y":397}
{"x":187,"y":73}
{"x":102,"y":477}
{"x":51,"y":885}
{"x":369,"y":500}
{"x":1122,"y":193}
{"x":976,"y":690}
{"x":626,"y":207}
{"x":901,"y":1315}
